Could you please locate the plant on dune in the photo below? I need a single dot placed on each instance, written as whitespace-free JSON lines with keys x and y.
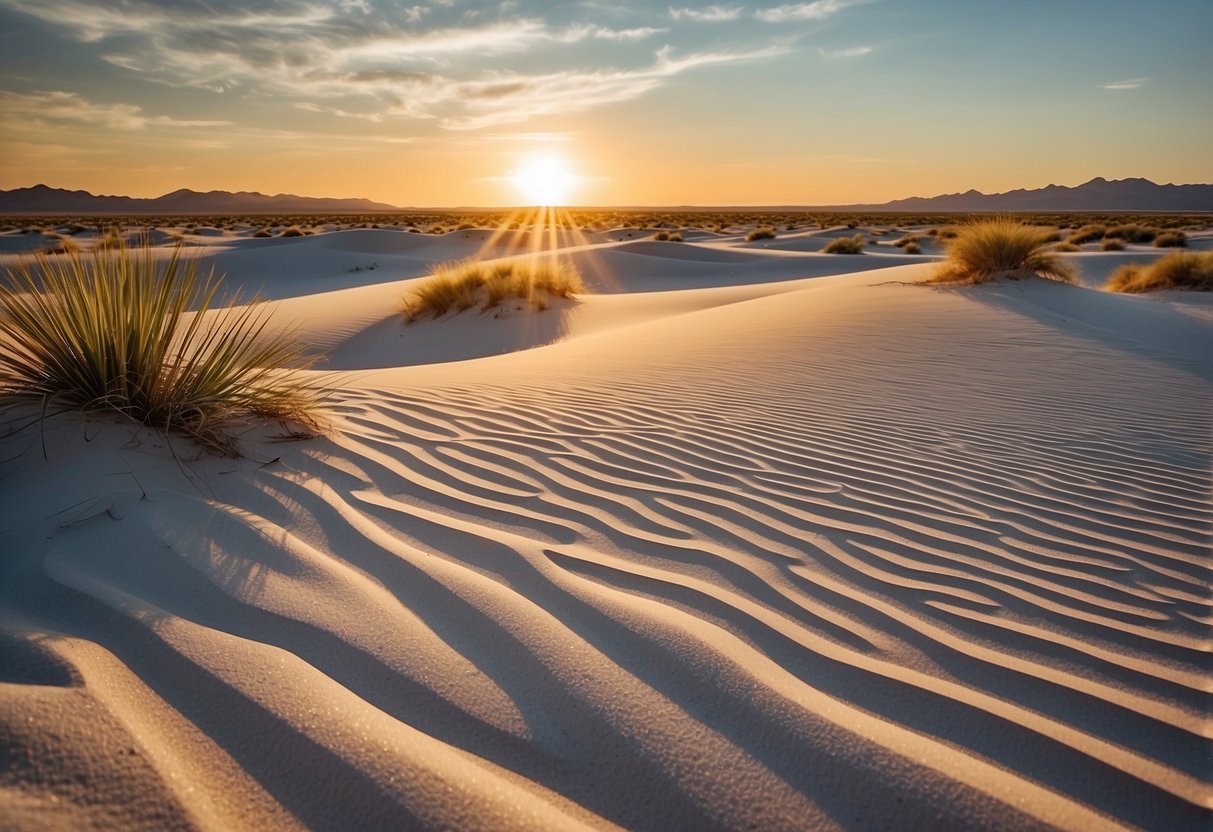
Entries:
{"x":845,"y":245}
{"x":1112,"y":245}
{"x":763,"y":233}
{"x":662,"y":236}
{"x":912,"y":248}
{"x":1171,"y":239}
{"x":985,"y":249}
{"x":464,"y":285}
{"x":676,"y":237}
{"x":123,"y":332}
{"x":1088,"y":234}
{"x":1131,"y":233}
{"x":1177,"y":270}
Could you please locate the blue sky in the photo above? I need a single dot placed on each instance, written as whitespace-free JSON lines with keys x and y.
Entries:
{"x":434,"y":103}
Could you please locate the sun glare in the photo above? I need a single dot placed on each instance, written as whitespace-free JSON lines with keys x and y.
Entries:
{"x":545,"y":181}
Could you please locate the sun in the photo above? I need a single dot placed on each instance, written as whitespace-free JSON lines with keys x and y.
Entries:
{"x":545,"y":180}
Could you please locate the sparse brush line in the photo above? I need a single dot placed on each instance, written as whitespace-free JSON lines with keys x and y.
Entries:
{"x":121,"y":331}
{"x":468,"y":284}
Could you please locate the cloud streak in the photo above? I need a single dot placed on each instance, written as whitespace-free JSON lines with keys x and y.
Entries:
{"x":795,"y":12}
{"x":40,"y":109}
{"x":708,"y":14}
{"x":1131,"y":84}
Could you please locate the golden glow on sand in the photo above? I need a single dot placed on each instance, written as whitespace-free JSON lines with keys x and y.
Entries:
{"x":545,"y":180}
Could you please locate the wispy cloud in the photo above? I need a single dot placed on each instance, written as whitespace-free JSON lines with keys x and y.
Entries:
{"x":1131,"y":84}
{"x":707,"y":14}
{"x":348,"y":59}
{"x":509,"y":98}
{"x":816,"y":10}
{"x":39,"y":109}
{"x":849,"y":52}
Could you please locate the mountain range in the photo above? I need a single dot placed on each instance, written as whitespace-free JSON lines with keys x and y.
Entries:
{"x":1097,"y":195}
{"x":41,"y":199}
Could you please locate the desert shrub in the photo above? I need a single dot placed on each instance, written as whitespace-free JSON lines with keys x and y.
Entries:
{"x":984,"y":249}
{"x":676,"y":237}
{"x":845,"y":245}
{"x":662,"y":235}
{"x":1131,"y":233}
{"x":1051,"y":236}
{"x":906,"y":240}
{"x":1177,"y":270}
{"x":1112,"y":245}
{"x":949,"y":233}
{"x":912,"y":248}
{"x":293,"y":231}
{"x":464,"y":285}
{"x":1171,"y":239}
{"x":1088,"y":234}
{"x":1066,"y":246}
{"x":263,"y":232}
{"x":761,"y":233}
{"x":63,"y":245}
{"x":113,"y":331}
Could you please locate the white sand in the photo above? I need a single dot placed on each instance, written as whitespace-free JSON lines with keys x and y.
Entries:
{"x":738,"y":545}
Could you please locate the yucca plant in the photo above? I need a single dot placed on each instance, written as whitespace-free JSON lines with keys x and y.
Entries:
{"x":121,"y":331}
{"x":985,"y":249}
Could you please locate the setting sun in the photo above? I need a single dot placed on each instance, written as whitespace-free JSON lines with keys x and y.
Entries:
{"x":545,"y":180}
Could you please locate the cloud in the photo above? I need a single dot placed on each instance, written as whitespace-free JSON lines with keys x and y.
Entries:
{"x":816,"y":10}
{"x":850,"y":52}
{"x":512,"y":98}
{"x":1131,"y":84}
{"x":356,"y":60}
{"x":708,"y":14}
{"x":39,"y":109}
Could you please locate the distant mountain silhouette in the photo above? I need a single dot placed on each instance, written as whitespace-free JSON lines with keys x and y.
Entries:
{"x":41,"y":199}
{"x":1097,"y":195}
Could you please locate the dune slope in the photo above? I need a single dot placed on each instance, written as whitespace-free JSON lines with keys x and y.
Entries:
{"x":853,"y":554}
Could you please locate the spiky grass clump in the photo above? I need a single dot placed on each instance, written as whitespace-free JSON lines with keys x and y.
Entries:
{"x":985,"y":249}
{"x":764,"y":233}
{"x":120,"y":331}
{"x":845,"y":245}
{"x":468,"y":284}
{"x":1112,"y":245}
{"x":1177,"y":270}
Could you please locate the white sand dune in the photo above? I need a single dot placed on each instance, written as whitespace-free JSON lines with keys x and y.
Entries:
{"x":782,"y":551}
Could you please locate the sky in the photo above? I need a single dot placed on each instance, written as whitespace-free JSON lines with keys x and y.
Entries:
{"x":439,"y":104}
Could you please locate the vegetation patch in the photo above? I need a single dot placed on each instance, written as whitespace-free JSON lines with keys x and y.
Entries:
{"x":845,"y":245}
{"x":986,"y":249}
{"x":1177,"y":270}
{"x":472,"y":284}
{"x":1171,"y":239}
{"x":763,"y":233}
{"x":123,"y":332}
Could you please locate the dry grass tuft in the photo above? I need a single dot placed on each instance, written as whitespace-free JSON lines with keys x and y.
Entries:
{"x":985,"y":249}
{"x":465,"y":285}
{"x":120,"y":331}
{"x":1171,"y":239}
{"x":764,"y":233}
{"x":845,"y":245}
{"x":1112,"y":245}
{"x":1177,"y":270}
